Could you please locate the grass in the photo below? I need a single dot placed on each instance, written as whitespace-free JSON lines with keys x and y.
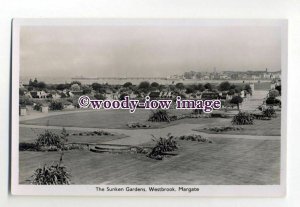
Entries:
{"x":225,"y":161}
{"x":259,"y":128}
{"x":111,"y":119}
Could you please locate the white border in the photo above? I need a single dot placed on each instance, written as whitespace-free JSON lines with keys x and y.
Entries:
{"x":90,"y":190}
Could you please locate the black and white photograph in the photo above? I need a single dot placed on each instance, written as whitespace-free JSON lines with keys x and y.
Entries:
{"x":176,"y":107}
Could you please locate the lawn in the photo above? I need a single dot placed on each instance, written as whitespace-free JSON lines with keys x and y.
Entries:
{"x":225,"y":162}
{"x":112,"y":119}
{"x":260,"y":127}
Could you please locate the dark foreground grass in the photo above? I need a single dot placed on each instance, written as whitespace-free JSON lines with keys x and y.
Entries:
{"x":224,"y":162}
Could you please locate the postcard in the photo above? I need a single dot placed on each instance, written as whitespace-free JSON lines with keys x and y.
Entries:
{"x":149,"y":107}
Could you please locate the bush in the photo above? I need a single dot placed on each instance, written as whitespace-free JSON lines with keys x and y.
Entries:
{"x":49,"y":139}
{"x":273,"y":101}
{"x":224,"y":129}
{"x":37,"y":107}
{"x":195,"y":138}
{"x":243,"y":118}
{"x":54,"y":174}
{"x":269,"y":112}
{"x":163,"y":145}
{"x":274,"y":93}
{"x":56,"y":105}
{"x":23,"y":146}
{"x":160,"y":115}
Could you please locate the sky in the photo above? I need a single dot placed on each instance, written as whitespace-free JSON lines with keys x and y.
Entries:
{"x":146,"y":51}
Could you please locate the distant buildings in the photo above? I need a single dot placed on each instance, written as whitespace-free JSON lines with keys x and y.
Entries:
{"x":232,"y":75}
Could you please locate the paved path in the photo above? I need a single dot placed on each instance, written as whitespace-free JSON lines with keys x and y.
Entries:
{"x":142,"y":136}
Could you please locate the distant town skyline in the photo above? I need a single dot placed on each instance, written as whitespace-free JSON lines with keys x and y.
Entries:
{"x":146,"y":51}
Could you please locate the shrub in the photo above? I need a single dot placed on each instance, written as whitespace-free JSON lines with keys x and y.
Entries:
{"x":37,"y":107}
{"x":163,"y":145}
{"x":56,"y":105}
{"x":160,"y":115}
{"x":273,"y":101}
{"x":243,"y":118}
{"x":197,"y":111}
{"x":236,"y":100}
{"x":274,"y":93}
{"x":55,"y":174}
{"x":224,"y":129}
{"x":269,"y":112}
{"x":23,"y":146}
{"x":195,"y":138}
{"x":48,"y":139}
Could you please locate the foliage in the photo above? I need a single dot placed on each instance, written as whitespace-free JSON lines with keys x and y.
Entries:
{"x":154,"y":85}
{"x":37,"y":107}
{"x":200,"y":87}
{"x":56,"y":105}
{"x":208,"y":86}
{"x":248,"y":88}
{"x":48,"y":139}
{"x":180,"y":86}
{"x":273,"y":101}
{"x":224,"y":86}
{"x":237,"y":100}
{"x":97,"y":86}
{"x":195,"y":138}
{"x":99,"y":96}
{"x":163,"y":145}
{"x":127,"y":84}
{"x":144,"y":86}
{"x":278,"y":88}
{"x":62,"y":86}
{"x":23,"y":101}
{"x":269,"y":112}
{"x":24,"y":146}
{"x":223,"y":129}
{"x":273,"y":93}
{"x":160,"y":115}
{"x":55,"y":174}
{"x":243,"y":118}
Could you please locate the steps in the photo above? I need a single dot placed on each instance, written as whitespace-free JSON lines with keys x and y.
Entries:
{"x":110,"y":148}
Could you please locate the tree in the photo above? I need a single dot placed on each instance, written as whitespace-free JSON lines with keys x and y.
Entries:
{"x":35,"y":82}
{"x":208,"y":86}
{"x":190,"y":89}
{"x":224,"y":86}
{"x":273,"y":93}
{"x":144,"y":86}
{"x":180,"y":86}
{"x":278,"y":88}
{"x":231,"y":92}
{"x":248,"y":89}
{"x":99,"y":96}
{"x":41,"y":85}
{"x":96,"y":86}
{"x":122,"y":96}
{"x":75,"y":87}
{"x":56,"y":105}
{"x":273,"y":101}
{"x":62,"y":86}
{"x":237,"y":100}
{"x":21,"y":92}
{"x":75,"y":82}
{"x":200,"y":87}
{"x":154,"y":84}
{"x":86,"y":90}
{"x":127,"y":84}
